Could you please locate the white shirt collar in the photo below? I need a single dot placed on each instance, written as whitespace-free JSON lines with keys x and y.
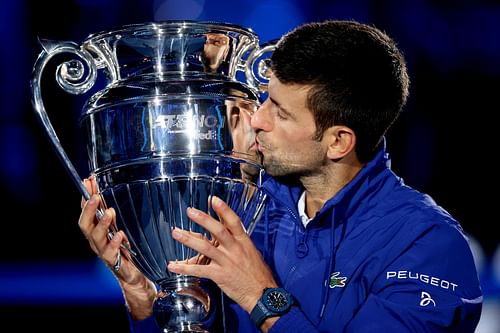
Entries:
{"x":301,"y":207}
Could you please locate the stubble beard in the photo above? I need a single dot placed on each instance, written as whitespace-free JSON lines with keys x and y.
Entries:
{"x":279,"y":168}
{"x":277,"y":163}
{"x":292,"y":165}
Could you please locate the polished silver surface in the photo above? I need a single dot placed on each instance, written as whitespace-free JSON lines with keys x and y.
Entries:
{"x":169,"y":128}
{"x":173,"y":48}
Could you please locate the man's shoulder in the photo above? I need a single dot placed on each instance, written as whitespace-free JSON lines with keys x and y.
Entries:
{"x":404,"y":219}
{"x":406,"y":205}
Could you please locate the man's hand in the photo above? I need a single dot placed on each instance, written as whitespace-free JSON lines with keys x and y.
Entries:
{"x":139,"y":292}
{"x":236,"y":265}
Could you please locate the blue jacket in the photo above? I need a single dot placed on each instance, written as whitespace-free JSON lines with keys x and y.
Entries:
{"x":378,"y":257}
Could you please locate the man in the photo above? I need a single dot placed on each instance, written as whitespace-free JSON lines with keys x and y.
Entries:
{"x":343,"y":245}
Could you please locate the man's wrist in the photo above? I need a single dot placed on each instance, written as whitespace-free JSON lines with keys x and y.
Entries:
{"x":273,"y":303}
{"x":139,"y":298}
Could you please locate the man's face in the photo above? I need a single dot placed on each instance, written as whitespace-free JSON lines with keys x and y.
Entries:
{"x":285,"y":132}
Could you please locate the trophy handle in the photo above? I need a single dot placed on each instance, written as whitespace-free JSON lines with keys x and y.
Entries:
{"x":69,"y":77}
{"x":260,"y":80}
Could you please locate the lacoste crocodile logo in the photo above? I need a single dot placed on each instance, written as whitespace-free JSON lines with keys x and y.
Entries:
{"x":336,"y":280}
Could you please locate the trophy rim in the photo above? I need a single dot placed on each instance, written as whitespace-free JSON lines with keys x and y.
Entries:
{"x":173,"y":26}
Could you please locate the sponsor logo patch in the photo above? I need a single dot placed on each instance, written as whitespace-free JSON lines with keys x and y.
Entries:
{"x":426,"y":299}
{"x":336,"y":280}
{"x":424,"y":278}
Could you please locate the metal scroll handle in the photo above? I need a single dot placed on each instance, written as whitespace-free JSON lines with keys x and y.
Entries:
{"x":70,"y":77}
{"x":256,"y":64}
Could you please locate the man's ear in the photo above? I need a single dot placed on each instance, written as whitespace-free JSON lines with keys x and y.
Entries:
{"x":341,"y":141}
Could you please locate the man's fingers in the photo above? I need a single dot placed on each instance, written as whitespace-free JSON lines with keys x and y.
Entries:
{"x":202,"y":271}
{"x":200,"y":245}
{"x":110,"y":251}
{"x":93,"y":185}
{"x":231,"y":220}
{"x":88,"y":187}
{"x":218,"y":231}
{"x":102,"y":228}
{"x":198,"y":259}
{"x":86,"y":221}
{"x":95,"y":231}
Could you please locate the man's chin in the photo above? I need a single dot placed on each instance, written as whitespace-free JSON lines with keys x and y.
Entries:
{"x":280,"y":170}
{"x":273,"y":169}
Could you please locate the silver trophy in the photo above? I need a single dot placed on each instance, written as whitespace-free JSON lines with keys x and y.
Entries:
{"x":168,"y":130}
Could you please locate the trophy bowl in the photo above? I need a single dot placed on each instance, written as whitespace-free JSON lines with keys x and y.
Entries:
{"x":169,"y":130}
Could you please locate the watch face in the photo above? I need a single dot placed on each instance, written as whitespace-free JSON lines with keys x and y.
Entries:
{"x":277,"y":301}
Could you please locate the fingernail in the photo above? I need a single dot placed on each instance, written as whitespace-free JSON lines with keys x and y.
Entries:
{"x":172,"y":266}
{"x":216,"y":201}
{"x":92,"y":200}
{"x":192,"y":212}
{"x":175,"y":233}
{"x":116,"y":238}
{"x":106,"y":217}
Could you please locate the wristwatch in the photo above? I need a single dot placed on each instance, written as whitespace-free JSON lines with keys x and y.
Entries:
{"x":273,"y":302}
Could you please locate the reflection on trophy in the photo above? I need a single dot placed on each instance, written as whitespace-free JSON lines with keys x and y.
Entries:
{"x":169,"y":130}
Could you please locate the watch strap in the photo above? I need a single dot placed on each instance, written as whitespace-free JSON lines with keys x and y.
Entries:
{"x":262,"y":311}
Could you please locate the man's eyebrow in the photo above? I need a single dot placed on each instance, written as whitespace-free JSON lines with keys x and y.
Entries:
{"x":279,"y":106}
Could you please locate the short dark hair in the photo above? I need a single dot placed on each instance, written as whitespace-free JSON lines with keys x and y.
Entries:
{"x":357,"y":73}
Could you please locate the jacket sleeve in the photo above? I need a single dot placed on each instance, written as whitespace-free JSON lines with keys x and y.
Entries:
{"x":293,"y":321}
{"x":238,"y":321}
{"x":382,"y":315}
{"x":431,"y":286}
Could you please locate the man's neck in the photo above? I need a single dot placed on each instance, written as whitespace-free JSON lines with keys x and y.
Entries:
{"x":325,"y":184}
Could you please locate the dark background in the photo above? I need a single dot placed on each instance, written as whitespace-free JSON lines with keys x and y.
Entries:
{"x":444,"y":143}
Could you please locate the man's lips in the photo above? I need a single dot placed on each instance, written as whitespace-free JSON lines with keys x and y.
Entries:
{"x":258,"y":145}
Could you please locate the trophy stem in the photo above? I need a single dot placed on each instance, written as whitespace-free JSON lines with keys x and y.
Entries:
{"x":184,"y":305}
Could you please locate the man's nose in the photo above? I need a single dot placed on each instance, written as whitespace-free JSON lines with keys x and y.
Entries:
{"x":260,"y":119}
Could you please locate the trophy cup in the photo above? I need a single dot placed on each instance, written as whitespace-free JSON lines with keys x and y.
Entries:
{"x":163,"y":134}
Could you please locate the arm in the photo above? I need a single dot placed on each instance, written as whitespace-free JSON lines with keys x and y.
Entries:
{"x":138,"y":291}
{"x":432,"y":286}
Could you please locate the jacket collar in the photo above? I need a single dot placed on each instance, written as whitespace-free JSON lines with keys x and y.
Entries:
{"x":369,"y":177}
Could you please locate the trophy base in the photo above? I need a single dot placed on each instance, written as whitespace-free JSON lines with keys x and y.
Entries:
{"x":184,"y":305}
